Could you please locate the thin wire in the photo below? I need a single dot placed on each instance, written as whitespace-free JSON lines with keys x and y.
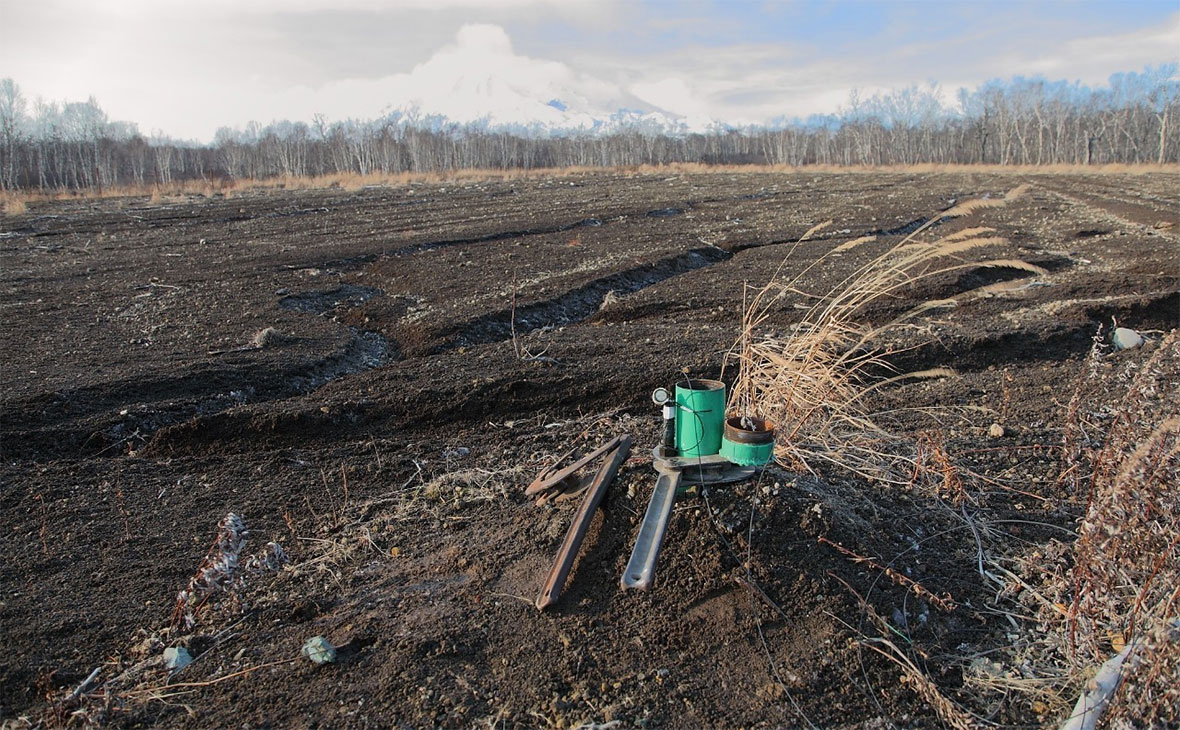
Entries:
{"x":749,"y":547}
{"x":750,"y":583}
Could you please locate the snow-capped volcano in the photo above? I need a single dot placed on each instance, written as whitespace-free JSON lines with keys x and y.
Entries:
{"x":480,"y":80}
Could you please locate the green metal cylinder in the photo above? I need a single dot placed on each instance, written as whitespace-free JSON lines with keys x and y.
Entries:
{"x":748,"y":442}
{"x":700,"y":417}
{"x":747,"y":454}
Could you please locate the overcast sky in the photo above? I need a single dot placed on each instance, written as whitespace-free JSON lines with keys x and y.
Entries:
{"x":186,"y":68}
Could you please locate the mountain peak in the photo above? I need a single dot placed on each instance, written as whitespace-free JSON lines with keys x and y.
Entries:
{"x":479,"y":79}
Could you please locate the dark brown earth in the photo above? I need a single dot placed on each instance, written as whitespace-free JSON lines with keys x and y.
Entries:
{"x":385,"y":437}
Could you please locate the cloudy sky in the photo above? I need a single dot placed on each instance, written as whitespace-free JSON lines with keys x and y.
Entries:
{"x":186,"y":68}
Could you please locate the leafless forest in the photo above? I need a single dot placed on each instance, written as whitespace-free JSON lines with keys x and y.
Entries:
{"x":1132,"y":120}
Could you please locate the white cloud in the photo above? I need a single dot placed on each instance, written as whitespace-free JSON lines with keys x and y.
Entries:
{"x":478,"y":75}
{"x":752,"y":83}
{"x":1092,"y":59}
{"x":673,"y":94}
{"x":271,"y":7}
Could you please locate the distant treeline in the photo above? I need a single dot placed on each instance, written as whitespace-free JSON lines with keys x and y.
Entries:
{"x":1020,"y":121}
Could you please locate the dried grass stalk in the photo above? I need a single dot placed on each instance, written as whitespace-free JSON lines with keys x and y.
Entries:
{"x":967,"y":233}
{"x":912,"y":675}
{"x":944,"y":602}
{"x":220,"y":572}
{"x":814,"y":230}
{"x":1127,"y":556}
{"x":813,"y":381}
{"x":849,"y":245}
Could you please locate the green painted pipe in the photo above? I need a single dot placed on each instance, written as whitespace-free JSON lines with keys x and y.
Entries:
{"x":748,"y":446}
{"x":700,"y":417}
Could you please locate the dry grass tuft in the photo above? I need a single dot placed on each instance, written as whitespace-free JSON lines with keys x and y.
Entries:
{"x":13,"y":204}
{"x":353,"y":181}
{"x":814,"y":380}
{"x":219,"y":573}
{"x":1126,"y":579}
{"x":222,"y":572}
{"x":268,"y":337}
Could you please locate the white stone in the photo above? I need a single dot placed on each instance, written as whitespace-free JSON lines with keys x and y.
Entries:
{"x":319,"y":650}
{"x":177,"y":657}
{"x":1126,"y":339}
{"x":995,"y":431}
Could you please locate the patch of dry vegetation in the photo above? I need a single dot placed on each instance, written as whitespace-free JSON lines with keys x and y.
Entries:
{"x":161,"y":193}
{"x":914,"y":169}
{"x":1110,"y":598}
{"x":815,"y":380}
{"x":1106,"y":603}
{"x":13,"y":203}
{"x":142,"y":672}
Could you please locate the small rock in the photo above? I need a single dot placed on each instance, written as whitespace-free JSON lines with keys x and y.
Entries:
{"x":177,"y":657}
{"x":319,"y":650}
{"x":1126,"y":339}
{"x":995,"y":431}
{"x":268,"y":337}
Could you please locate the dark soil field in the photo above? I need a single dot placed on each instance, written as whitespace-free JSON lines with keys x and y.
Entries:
{"x":384,"y":432}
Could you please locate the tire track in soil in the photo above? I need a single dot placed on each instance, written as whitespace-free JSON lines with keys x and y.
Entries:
{"x":44,"y":425}
{"x":353,"y":262}
{"x":1062,"y":339}
{"x":425,"y":246}
{"x":365,"y":350}
{"x":903,"y":230}
{"x":368,"y":349}
{"x":1143,"y":200}
{"x":217,"y":430}
{"x":491,"y":237}
{"x":1147,"y":216}
{"x":571,"y":307}
{"x":669,"y":211}
{"x":577,"y":304}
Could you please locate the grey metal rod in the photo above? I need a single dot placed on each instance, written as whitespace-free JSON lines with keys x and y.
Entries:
{"x":641,"y":568}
